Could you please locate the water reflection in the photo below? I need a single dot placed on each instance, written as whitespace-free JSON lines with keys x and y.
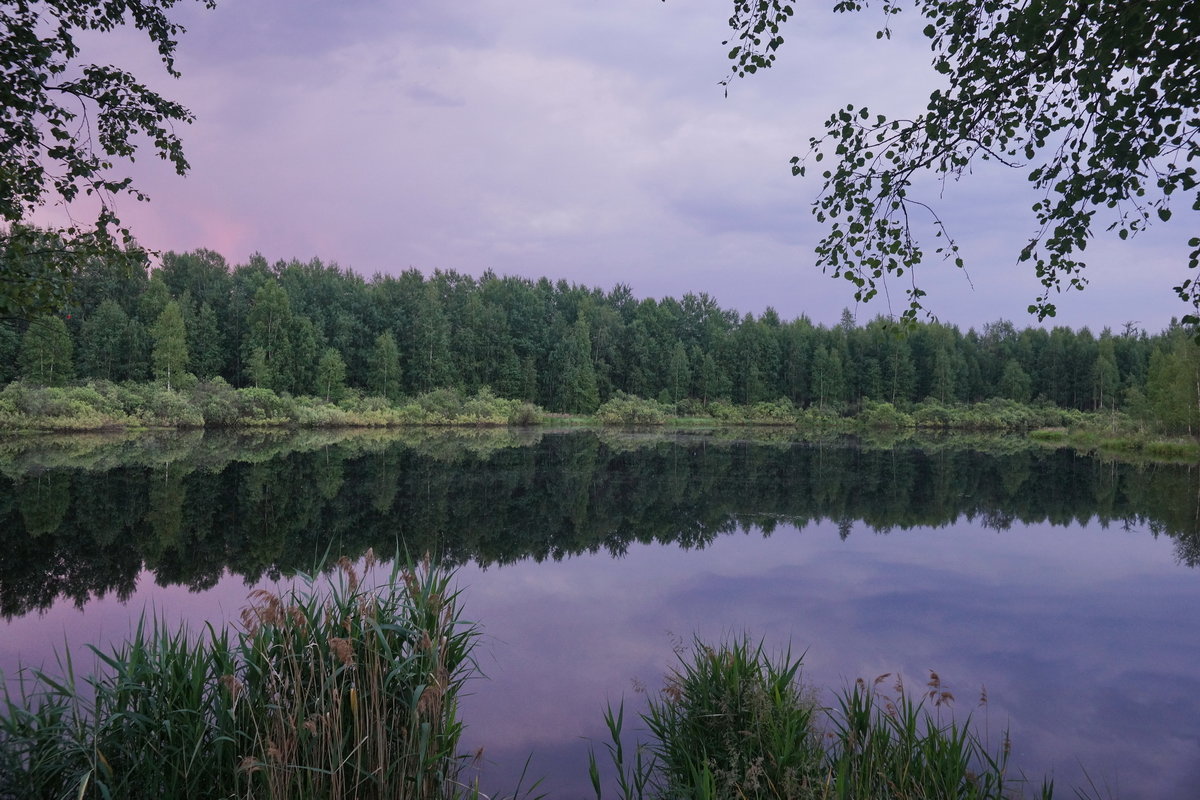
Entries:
{"x":1052,"y":579}
{"x":1090,"y":659}
{"x":82,"y":524}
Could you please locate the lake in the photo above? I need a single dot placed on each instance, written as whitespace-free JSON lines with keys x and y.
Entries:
{"x":1064,"y":585}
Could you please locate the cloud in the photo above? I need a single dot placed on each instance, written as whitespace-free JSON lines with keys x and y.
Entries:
{"x":577,"y":140}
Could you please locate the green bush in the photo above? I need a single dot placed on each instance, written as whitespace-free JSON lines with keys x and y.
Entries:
{"x":885,"y":415}
{"x":779,"y":412}
{"x":170,"y":408}
{"x":85,"y":407}
{"x":525,"y":414}
{"x":24,"y":399}
{"x":91,"y":395}
{"x":356,"y":402}
{"x":486,"y":408}
{"x":725,"y":412}
{"x":628,"y":409}
{"x":441,"y":404}
{"x":690,"y":407}
{"x":217,"y":403}
{"x":263,"y":405}
{"x":930,"y":413}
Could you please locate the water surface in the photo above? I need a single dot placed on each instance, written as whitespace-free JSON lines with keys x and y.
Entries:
{"x":1062,"y":584}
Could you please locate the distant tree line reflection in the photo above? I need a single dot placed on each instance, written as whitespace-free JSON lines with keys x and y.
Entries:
{"x":189,"y":508}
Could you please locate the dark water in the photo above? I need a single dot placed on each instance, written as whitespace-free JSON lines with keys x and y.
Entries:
{"x":1064,"y":585}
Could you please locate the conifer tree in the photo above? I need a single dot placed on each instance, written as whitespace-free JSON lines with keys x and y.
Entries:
{"x":572,"y":361}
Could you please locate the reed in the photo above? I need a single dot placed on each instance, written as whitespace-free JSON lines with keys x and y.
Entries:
{"x":329,"y":689}
{"x":732,"y":722}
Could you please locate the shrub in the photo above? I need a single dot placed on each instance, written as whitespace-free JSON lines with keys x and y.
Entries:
{"x":170,"y":408}
{"x":90,"y":396}
{"x":690,"y":407}
{"x":24,"y":398}
{"x":261,"y":405}
{"x":779,"y":412}
{"x":486,"y":407}
{"x":628,"y":409}
{"x":525,"y":414}
{"x":726,"y":412}
{"x":217,"y":402}
{"x":885,"y":415}
{"x":442,"y":404}
{"x":930,"y":413}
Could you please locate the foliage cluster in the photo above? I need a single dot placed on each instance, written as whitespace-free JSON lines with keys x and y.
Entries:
{"x":1096,"y":103}
{"x":101,"y":404}
{"x":734,"y":722}
{"x":345,"y":691}
{"x":625,"y":409}
{"x":66,"y":123}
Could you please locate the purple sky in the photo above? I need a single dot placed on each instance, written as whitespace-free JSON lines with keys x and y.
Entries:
{"x":576,"y":139}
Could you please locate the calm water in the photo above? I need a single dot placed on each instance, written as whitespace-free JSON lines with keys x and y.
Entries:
{"x":1064,"y":585}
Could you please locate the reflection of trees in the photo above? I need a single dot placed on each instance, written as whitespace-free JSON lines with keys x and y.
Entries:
{"x":43,"y":501}
{"x":77,"y":532}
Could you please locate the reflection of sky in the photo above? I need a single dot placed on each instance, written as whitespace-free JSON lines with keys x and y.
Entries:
{"x":1084,"y":638}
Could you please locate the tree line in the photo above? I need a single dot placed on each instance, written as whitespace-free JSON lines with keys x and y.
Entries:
{"x":313,"y":328}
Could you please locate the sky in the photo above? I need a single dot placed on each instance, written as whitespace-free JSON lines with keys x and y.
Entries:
{"x":584,"y":140}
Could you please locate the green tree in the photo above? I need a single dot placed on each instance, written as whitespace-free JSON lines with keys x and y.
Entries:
{"x":258,"y":368}
{"x":385,"y":367}
{"x":679,"y":374}
{"x":153,"y":300}
{"x":170,"y":354}
{"x":1105,"y":376}
{"x":1014,"y":382}
{"x":298,"y":373}
{"x":1173,"y":385}
{"x":711,"y":382}
{"x":46,"y":351}
{"x":268,"y":330}
{"x":103,"y":338}
{"x":138,"y":344}
{"x":10,"y":344}
{"x":331,"y":374}
{"x":828,"y":380}
{"x":206,"y":343}
{"x":1097,"y":103}
{"x":431,"y":361}
{"x":571,"y":363}
{"x":66,"y":123}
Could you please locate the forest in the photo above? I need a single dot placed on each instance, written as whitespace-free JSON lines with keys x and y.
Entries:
{"x":315,"y":329}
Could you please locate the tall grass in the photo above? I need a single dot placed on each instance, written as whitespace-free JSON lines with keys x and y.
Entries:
{"x":328,"y":690}
{"x":732,"y":722}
